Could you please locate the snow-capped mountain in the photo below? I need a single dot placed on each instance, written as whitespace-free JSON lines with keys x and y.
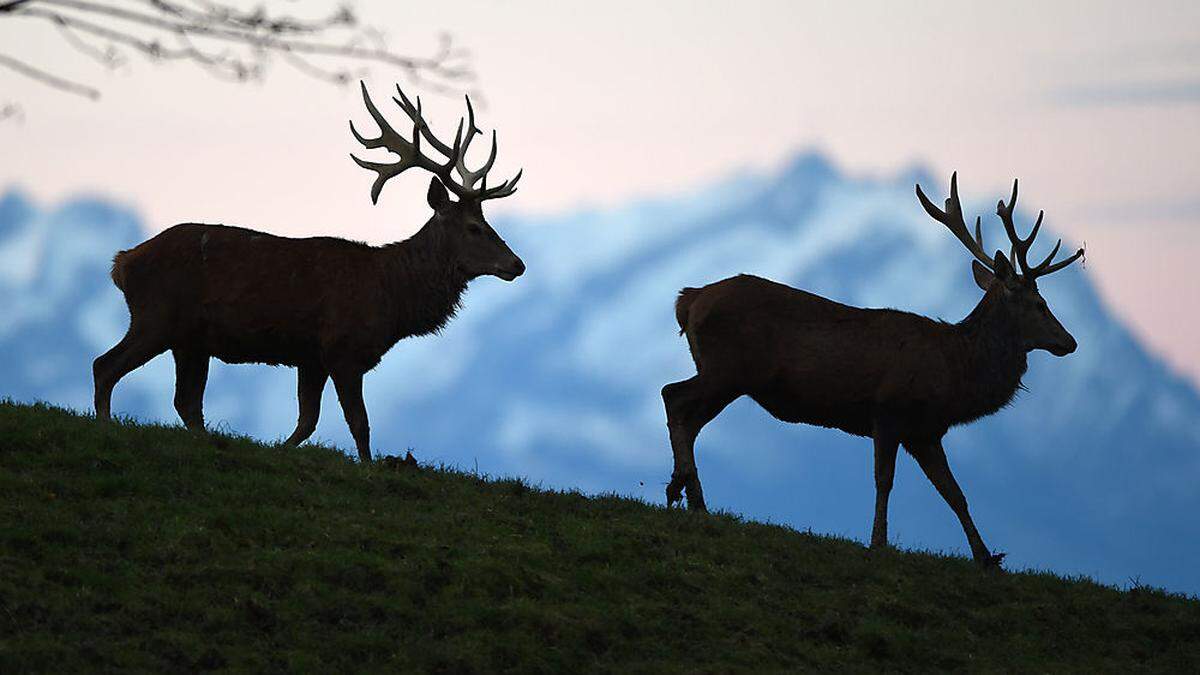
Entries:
{"x":1095,"y":469}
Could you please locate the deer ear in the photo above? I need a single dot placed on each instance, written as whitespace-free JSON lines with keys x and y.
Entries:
{"x":1003,"y":269}
{"x":983,"y":276}
{"x":437,"y":196}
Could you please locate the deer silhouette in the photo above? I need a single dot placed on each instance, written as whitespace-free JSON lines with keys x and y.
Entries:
{"x":893,"y":376}
{"x":329,"y":307}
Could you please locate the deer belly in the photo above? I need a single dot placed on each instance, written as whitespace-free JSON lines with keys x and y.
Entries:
{"x":852,"y":417}
{"x":252,"y":342}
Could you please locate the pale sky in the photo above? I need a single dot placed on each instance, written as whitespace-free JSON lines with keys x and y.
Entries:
{"x":1094,"y":105}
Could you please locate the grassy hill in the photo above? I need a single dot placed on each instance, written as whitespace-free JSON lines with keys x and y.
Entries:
{"x":141,"y":547}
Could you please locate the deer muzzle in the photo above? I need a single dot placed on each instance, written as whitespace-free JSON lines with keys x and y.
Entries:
{"x":1063,"y":348}
{"x":512,"y":270}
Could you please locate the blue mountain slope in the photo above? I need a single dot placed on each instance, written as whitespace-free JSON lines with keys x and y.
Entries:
{"x":1092,"y":470}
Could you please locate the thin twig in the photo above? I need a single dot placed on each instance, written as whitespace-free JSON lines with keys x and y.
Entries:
{"x":255,"y":20}
{"x":256,"y":35}
{"x":109,"y":57}
{"x":11,"y":5}
{"x":47,"y":78}
{"x":312,"y":70}
{"x":151,"y":48}
{"x":258,"y":39}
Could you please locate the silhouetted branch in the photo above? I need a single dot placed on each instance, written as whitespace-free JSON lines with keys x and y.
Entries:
{"x":108,"y":57}
{"x":312,"y":70}
{"x":268,"y":37}
{"x":186,"y":30}
{"x":153,"y":49}
{"x":256,"y":19}
{"x":11,"y":5}
{"x":46,"y":78}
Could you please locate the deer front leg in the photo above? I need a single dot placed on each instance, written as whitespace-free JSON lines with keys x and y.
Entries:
{"x":932,"y":458}
{"x":886,"y":445}
{"x":349,"y":391}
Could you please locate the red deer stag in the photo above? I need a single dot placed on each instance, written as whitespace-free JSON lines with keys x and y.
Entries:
{"x":329,"y":307}
{"x":889,"y":375}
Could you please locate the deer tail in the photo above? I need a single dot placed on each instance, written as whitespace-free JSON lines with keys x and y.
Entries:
{"x":120,"y":260}
{"x":686,"y":297}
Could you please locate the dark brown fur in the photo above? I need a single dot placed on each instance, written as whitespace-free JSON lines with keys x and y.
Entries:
{"x":329,"y":307}
{"x":890,"y":375}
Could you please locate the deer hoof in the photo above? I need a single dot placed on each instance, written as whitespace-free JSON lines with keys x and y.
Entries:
{"x":674,"y":492}
{"x":991,"y":562}
{"x":394,"y":462}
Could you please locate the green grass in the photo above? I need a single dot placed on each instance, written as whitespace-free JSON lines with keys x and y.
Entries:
{"x":140,"y":547}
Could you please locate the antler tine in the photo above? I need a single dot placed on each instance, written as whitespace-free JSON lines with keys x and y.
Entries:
{"x":408,"y":151}
{"x":387,"y":135}
{"x":471,"y":128}
{"x":1020,"y":247}
{"x":469,"y":178}
{"x":952,"y":218}
{"x":1037,"y":225}
{"x":414,"y":113}
{"x":502,"y":190}
{"x":1045,"y":267}
{"x":1050,"y":257}
{"x":1060,"y":264}
{"x":384,"y":171}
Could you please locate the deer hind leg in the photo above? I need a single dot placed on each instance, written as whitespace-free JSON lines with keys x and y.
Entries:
{"x":886,"y":445}
{"x":932,"y":458}
{"x":191,"y":374}
{"x":133,"y":351}
{"x":349,"y":391}
{"x":690,"y":405}
{"x":310,"y":383}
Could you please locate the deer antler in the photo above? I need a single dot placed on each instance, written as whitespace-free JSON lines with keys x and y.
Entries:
{"x":952,"y":218}
{"x":1020,"y":247}
{"x":411,"y":156}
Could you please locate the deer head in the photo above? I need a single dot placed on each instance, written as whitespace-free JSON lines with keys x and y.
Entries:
{"x":475,"y":246}
{"x":1014,"y":293}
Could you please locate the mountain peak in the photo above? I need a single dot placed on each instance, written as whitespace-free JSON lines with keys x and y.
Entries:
{"x":15,"y":208}
{"x":809,"y":167}
{"x":917,"y":174}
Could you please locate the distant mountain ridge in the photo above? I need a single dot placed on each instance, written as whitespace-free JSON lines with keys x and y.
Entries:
{"x":555,"y":377}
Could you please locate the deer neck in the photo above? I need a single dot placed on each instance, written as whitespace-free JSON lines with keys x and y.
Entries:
{"x":425,"y":282}
{"x":992,"y":359}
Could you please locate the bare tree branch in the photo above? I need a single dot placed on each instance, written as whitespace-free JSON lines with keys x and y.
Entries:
{"x":266,"y":38}
{"x":254,"y":20}
{"x":187,"y":30}
{"x":152,"y":49}
{"x":11,"y":5}
{"x":307,"y":67}
{"x":46,"y":78}
{"x":108,"y":57}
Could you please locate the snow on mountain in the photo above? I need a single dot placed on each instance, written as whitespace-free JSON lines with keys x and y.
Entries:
{"x":556,"y":376}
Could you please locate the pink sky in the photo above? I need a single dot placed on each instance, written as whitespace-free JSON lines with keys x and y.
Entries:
{"x":1094,"y":105}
